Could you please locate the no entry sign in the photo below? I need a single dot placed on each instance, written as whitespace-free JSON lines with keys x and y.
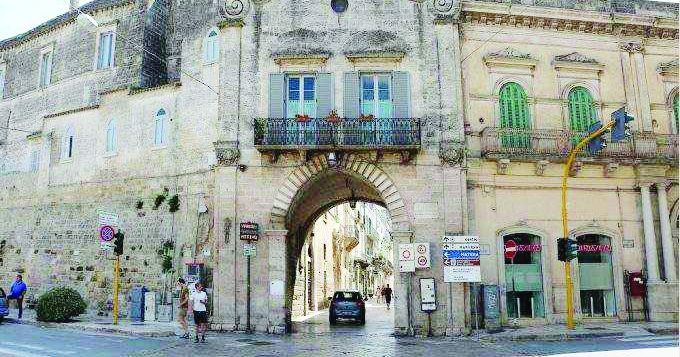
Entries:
{"x":510,"y":249}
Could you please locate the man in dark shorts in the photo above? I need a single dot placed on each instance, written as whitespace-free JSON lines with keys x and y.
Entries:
{"x":199,"y":300}
{"x":387,"y":293}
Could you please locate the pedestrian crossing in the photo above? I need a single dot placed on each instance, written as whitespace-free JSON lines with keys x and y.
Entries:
{"x":653,"y":340}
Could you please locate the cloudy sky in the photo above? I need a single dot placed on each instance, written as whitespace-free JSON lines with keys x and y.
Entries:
{"x":18,"y":16}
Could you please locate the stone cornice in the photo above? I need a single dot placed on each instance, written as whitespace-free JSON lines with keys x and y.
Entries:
{"x":560,"y":19}
{"x":298,"y":60}
{"x":510,"y":56}
{"x":577,"y":61}
{"x":668,"y":68}
{"x":71,"y":111}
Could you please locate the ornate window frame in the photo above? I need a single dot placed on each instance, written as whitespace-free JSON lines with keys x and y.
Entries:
{"x":510,"y":65}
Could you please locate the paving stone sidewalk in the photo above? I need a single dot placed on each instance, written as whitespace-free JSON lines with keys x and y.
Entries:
{"x":584,"y":330}
{"x":103,"y":324}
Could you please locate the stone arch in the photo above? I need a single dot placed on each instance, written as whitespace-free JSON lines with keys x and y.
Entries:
{"x":351,"y":164}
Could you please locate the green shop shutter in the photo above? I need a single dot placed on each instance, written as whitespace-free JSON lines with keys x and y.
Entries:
{"x":351,"y":93}
{"x":324,"y":94}
{"x":401,"y":95}
{"x":276,"y":94}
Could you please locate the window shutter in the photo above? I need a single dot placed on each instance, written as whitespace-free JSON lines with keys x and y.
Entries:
{"x":401,"y":95}
{"x":276,"y":95}
{"x":351,"y":93}
{"x":324,"y":94}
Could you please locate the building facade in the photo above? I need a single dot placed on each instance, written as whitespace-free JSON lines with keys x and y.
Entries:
{"x":536,"y":77}
{"x":241,"y":112}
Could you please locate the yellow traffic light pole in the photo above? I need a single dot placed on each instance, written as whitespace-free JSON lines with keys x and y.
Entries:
{"x":116,"y":269}
{"x":565,"y":227}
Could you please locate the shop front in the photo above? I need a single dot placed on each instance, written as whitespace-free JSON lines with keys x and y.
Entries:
{"x":596,"y":280}
{"x":523,"y":276}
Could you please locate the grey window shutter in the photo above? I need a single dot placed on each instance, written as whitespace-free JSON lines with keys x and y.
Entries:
{"x":351,"y":95}
{"x":401,"y":95}
{"x":325,"y":94}
{"x":276,"y":95}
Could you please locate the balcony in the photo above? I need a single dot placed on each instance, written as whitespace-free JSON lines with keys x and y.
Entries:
{"x":401,"y":135}
{"x":554,"y":144}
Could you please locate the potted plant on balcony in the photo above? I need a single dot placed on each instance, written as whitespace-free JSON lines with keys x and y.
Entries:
{"x":302,"y":118}
{"x":333,"y":117}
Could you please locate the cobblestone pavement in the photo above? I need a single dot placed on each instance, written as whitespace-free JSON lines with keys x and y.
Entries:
{"x":315,"y":337}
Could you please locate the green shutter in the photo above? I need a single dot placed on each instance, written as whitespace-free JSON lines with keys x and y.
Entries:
{"x":324,"y":94}
{"x":401,"y":95}
{"x":676,"y":113}
{"x":514,"y":112}
{"x":351,"y":94}
{"x":276,"y":94}
{"x":582,"y":113}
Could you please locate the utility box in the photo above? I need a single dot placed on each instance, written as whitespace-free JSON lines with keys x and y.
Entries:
{"x":492,"y":311}
{"x":137,"y":303}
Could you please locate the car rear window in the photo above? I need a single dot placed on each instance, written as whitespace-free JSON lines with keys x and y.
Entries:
{"x":346,"y":295}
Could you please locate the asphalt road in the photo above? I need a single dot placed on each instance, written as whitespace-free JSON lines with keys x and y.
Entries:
{"x":315,"y":337}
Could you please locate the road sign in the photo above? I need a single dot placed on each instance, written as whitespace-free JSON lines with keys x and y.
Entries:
{"x":107,"y":218}
{"x":422,"y":255}
{"x":249,"y":231}
{"x":106,"y":233}
{"x":460,"y":239}
{"x":510,"y":249}
{"x":462,"y":274}
{"x":461,"y":262}
{"x":461,"y":254}
{"x":249,"y":250}
{"x":407,"y":263}
{"x":461,"y":246}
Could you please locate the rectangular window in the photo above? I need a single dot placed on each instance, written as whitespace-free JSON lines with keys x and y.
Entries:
{"x":45,"y":68}
{"x":35,"y":160}
{"x":301,"y":96}
{"x":376,"y":95}
{"x":105,"y":55}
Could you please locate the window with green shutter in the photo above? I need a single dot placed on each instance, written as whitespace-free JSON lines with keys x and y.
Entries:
{"x":582,"y":113}
{"x":514,"y":113}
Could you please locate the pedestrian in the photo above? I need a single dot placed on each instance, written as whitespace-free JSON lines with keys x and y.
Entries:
{"x":17,"y":292}
{"x":183,"y":307}
{"x":378,"y":291}
{"x":387,"y":292}
{"x":198,"y":301}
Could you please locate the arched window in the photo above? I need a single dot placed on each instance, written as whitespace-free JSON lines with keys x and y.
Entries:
{"x":212,"y":47}
{"x":676,"y":112}
{"x":523,"y":276}
{"x":582,"y":112}
{"x":68,"y":143}
{"x":111,"y":136}
{"x":160,"y":128}
{"x":514,"y":114}
{"x":596,"y":279}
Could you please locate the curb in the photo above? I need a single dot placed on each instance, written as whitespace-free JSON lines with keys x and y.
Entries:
{"x":76,"y":326}
{"x":663,"y":330}
{"x":553,"y":337}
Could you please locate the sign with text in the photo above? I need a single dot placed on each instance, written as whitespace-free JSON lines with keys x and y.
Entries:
{"x":249,"y":231}
{"x":462,"y":274}
{"x":461,"y":259}
{"x":428,"y":295}
{"x":422,"y":257}
{"x":460,"y":239}
{"x":407,"y":259}
{"x":249,"y":250}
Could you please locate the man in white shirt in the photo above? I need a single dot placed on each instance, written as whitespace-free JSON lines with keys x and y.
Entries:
{"x":198,"y":302}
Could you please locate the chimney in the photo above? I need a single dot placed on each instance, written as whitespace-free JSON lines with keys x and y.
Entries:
{"x":73,"y":5}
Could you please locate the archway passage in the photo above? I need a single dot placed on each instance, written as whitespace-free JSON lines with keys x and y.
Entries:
{"x":321,"y":184}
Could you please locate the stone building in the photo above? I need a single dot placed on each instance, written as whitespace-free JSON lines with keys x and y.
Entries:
{"x":536,"y":75}
{"x":247,"y":114}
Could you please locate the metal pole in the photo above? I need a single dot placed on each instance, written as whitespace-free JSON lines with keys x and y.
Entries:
{"x":248,"y":295}
{"x":429,"y":324}
{"x":565,"y":227}
{"x":116,"y":269}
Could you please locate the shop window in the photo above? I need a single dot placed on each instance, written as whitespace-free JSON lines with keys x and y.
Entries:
{"x":596,"y":278}
{"x":523,"y":276}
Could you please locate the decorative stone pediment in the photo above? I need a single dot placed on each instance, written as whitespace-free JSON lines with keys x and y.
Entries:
{"x":301,"y":43}
{"x":510,"y":56}
{"x":375,"y":44}
{"x":227,"y":153}
{"x":576,"y":61}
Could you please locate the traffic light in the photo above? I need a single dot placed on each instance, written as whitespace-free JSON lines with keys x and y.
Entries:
{"x":597,"y":143}
{"x":562,"y":249}
{"x":118,"y":243}
{"x":621,"y":131}
{"x":572,"y":249}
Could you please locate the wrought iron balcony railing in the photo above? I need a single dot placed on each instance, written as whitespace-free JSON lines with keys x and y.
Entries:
{"x":355,"y":133}
{"x":556,"y":143}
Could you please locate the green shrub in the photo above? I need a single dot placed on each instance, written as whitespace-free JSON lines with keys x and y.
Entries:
{"x":59,"y":305}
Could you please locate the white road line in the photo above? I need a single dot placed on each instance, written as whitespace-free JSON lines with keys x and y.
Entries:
{"x":20,"y":353}
{"x":37,"y":348}
{"x":660,"y":342}
{"x":646,"y":338}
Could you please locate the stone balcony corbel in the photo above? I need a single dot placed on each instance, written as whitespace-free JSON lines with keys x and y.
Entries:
{"x":502,"y":166}
{"x":541,"y":165}
{"x":610,"y":168}
{"x":227,"y":153}
{"x":575,"y":168}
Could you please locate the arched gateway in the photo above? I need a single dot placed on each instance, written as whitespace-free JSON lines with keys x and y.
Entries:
{"x":321,"y":183}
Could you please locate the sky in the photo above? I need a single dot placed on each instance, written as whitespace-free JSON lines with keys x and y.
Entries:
{"x":19,"y":16}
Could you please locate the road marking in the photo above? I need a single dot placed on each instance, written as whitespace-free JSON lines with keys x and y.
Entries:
{"x":645,"y":338}
{"x":659,"y":342}
{"x":37,"y":348}
{"x":19,"y":353}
